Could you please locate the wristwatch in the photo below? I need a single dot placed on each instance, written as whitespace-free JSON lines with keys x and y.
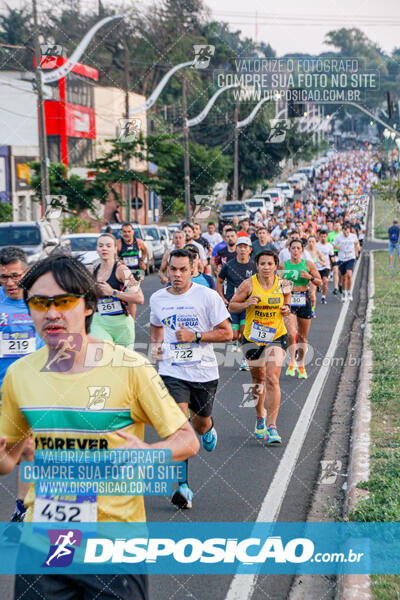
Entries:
{"x":114,"y":293}
{"x":197,"y":337}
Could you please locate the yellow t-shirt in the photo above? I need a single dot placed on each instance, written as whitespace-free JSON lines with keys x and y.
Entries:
{"x":268,"y":311}
{"x":83,"y":411}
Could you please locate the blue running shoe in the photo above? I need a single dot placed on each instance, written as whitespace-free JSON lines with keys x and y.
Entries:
{"x":183,"y":496}
{"x":209,"y":439}
{"x":260,"y":429}
{"x":273,"y":436}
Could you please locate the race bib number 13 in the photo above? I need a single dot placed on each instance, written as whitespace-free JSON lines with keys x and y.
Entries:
{"x":261,"y":333}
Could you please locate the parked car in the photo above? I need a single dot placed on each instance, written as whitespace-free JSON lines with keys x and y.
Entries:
{"x":173,"y":227}
{"x":277,"y":196}
{"x":309,"y":172}
{"x":166,"y":236}
{"x":229,"y":210}
{"x":263,"y":203}
{"x":286,"y":190}
{"x":36,"y":238}
{"x":297,"y":181}
{"x":82,"y":246}
{"x":158,"y":246}
{"x":139,"y":233}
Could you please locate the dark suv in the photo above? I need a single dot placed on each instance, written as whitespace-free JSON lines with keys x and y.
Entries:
{"x":229,"y":210}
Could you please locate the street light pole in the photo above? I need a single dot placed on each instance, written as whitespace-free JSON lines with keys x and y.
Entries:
{"x":127,"y":165}
{"x":236,"y":155}
{"x":186,"y":163}
{"x":44,"y":173}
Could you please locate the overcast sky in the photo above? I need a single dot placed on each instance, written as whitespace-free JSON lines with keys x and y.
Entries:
{"x":296,"y":25}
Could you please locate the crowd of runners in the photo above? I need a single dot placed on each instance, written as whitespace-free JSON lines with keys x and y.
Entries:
{"x":257,"y":287}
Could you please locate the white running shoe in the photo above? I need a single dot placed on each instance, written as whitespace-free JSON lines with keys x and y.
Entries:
{"x":344,"y":297}
{"x":350,"y":297}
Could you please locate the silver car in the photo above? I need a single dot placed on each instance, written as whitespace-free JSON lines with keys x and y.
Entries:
{"x":158,"y":246}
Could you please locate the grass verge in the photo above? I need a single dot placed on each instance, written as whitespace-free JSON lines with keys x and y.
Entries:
{"x":383,"y":503}
{"x":385,"y":212}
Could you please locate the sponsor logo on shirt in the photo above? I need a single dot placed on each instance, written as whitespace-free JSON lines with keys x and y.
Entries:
{"x":21,"y":318}
{"x":186,"y":320}
{"x":170,"y":322}
{"x":3,"y":319}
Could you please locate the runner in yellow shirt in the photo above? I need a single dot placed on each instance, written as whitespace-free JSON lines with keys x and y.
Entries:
{"x":266,"y":300}
{"x":71,"y":401}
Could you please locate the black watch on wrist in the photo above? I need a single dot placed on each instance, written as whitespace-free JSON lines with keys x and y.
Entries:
{"x":197,"y":337}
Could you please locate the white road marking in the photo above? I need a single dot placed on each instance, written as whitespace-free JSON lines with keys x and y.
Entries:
{"x":242,"y":586}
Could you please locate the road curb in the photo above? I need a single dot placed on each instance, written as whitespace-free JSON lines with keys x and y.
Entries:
{"x":357,"y":587}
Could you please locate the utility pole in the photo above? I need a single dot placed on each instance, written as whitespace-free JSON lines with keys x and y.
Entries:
{"x":186,"y":163}
{"x":236,"y":155}
{"x":44,"y":172}
{"x":127,"y":165}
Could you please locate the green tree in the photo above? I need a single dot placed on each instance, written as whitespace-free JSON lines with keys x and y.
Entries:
{"x":80,"y":194}
{"x":207,"y":166}
{"x":5,"y":212}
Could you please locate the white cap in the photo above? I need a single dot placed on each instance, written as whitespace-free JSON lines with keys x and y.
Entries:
{"x":244,"y":239}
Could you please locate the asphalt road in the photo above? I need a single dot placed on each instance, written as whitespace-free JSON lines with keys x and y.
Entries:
{"x":231,"y":483}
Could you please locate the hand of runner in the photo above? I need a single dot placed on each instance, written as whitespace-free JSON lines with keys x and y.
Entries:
{"x":285,"y":310}
{"x":132,"y":441}
{"x":156,"y":352}
{"x":104,"y":288}
{"x":305,"y":275}
{"x":253,"y":300}
{"x":184,"y":335}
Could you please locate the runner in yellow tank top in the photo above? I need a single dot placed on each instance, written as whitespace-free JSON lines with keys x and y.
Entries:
{"x":266,"y":300}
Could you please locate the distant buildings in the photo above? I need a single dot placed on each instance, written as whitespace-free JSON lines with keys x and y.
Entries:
{"x":80,"y":116}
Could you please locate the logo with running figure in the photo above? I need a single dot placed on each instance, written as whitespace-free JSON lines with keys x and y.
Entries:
{"x":98,"y":396}
{"x":251,"y":391}
{"x":3,"y":318}
{"x":62,"y":547}
{"x":170,"y":322}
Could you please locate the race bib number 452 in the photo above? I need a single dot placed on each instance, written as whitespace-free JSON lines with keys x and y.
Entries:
{"x":56,"y":509}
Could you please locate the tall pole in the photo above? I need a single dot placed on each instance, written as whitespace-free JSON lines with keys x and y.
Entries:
{"x":127,"y":165}
{"x":186,"y":163}
{"x":236,"y":155}
{"x":44,"y":173}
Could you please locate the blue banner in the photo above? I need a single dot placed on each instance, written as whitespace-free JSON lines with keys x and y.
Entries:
{"x":200,"y":548}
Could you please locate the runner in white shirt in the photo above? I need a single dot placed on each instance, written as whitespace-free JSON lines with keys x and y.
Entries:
{"x":348,"y":248}
{"x":327,"y":252}
{"x":211,"y":235}
{"x":185,"y":319}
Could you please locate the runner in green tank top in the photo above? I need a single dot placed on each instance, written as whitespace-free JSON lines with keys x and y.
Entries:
{"x":315,"y":255}
{"x":301,"y":272}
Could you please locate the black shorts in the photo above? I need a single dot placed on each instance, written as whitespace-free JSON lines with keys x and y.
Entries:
{"x":346,"y":265}
{"x":90,"y":587}
{"x":199,"y":396}
{"x":253,"y":351}
{"x":303,"y":312}
{"x":324,"y":272}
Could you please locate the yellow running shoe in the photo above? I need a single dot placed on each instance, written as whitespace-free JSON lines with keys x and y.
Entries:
{"x":302,"y":373}
{"x":291,"y":370}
